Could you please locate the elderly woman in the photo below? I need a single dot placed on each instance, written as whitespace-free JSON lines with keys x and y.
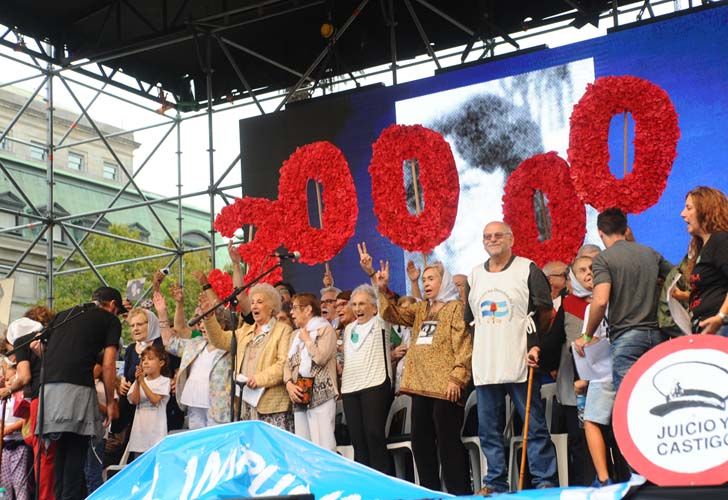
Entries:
{"x":310,"y":372}
{"x":262,"y":348}
{"x":436,"y":372}
{"x":366,"y":383}
{"x":144,"y":331}
{"x":203,"y":378}
{"x":706,"y":216}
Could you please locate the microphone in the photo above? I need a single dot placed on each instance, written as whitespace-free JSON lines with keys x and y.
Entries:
{"x":290,"y":255}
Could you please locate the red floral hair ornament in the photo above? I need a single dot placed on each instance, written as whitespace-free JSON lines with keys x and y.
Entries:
{"x":655,"y":143}
{"x":438,"y":178}
{"x":549,"y":174}
{"x":324,"y":163}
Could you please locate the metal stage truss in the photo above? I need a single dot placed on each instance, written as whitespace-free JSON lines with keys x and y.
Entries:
{"x":212,"y":46}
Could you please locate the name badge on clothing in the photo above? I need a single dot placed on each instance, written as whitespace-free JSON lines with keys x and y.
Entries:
{"x":427,"y":332}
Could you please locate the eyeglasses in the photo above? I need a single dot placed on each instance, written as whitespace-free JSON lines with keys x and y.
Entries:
{"x":494,"y":236}
{"x":562,"y":275}
{"x":296,"y":307}
{"x":339,"y":305}
{"x":329,"y":301}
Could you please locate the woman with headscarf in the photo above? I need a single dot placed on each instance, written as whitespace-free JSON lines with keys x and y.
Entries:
{"x":310,"y":372}
{"x":261,"y":353}
{"x":436,"y":373}
{"x":366,"y":382}
{"x":145,"y":330}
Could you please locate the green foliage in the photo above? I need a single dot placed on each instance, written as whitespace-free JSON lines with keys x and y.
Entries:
{"x":71,"y":289}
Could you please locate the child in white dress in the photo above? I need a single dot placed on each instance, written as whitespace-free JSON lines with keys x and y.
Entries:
{"x":150,"y":393}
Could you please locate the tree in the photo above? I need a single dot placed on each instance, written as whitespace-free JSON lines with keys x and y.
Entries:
{"x":76,"y":288}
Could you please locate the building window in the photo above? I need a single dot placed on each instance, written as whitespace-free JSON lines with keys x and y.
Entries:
{"x":111,"y":171}
{"x":38,"y":151}
{"x":58,"y":235}
{"x":75,"y":161}
{"x":8,"y":220}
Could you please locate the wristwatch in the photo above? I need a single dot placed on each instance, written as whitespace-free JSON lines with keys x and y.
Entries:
{"x":723,"y":317}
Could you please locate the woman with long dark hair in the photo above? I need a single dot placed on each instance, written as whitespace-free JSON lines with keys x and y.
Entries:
{"x":706,"y":216}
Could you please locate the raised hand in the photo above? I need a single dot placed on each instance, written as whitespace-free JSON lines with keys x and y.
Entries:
{"x":328,"y":278}
{"x":157,"y":280}
{"x":178,"y":293}
{"x":233,"y":253}
{"x":413,"y":272}
{"x":200,"y":277}
{"x":159,"y":303}
{"x":381,"y":278}
{"x":205,"y":303}
{"x":365,"y":260}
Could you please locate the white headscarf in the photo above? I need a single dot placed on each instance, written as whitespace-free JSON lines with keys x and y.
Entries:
{"x":313,"y":326}
{"x":153,"y":330}
{"x":448,"y":290}
{"x":21,"y":327}
{"x":577,"y":288}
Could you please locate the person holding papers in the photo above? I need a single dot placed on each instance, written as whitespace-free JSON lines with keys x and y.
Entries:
{"x":593,"y":363}
{"x":262,"y":353}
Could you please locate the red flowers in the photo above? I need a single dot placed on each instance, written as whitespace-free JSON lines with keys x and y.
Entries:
{"x":438,"y":177}
{"x":221,"y":283}
{"x":285,"y":221}
{"x":324,"y":163}
{"x":264,"y":215}
{"x":655,"y":143}
{"x":549,"y":174}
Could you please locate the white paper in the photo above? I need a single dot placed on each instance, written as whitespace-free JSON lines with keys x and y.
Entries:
{"x":679,"y":315}
{"x":596,"y":365}
{"x":252,"y":396}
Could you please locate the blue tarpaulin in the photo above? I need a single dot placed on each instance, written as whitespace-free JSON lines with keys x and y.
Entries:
{"x":247,"y":459}
{"x":251,"y":459}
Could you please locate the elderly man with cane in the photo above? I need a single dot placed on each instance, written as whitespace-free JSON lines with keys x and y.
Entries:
{"x":509,"y":304}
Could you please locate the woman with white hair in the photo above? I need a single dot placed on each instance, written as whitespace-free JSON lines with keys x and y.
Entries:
{"x":366,"y":382}
{"x":203,"y":378}
{"x":262,"y":350}
{"x":436,"y":372}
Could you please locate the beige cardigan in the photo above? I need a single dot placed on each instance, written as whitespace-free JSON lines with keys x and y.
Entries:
{"x":269,"y":368}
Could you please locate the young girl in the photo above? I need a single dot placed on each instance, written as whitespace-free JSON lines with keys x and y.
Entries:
{"x":17,"y":457}
{"x":150,"y":394}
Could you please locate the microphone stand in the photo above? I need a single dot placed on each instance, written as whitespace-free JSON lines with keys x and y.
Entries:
{"x":232,"y":299}
{"x":43,"y":335}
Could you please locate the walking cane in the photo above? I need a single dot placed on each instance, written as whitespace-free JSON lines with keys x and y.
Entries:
{"x":526,"y":418}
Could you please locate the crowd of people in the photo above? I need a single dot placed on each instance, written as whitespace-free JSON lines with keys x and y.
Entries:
{"x":301,"y":359}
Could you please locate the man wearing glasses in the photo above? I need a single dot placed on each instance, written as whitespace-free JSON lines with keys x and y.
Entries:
{"x":328,"y":305}
{"x":509,"y":304}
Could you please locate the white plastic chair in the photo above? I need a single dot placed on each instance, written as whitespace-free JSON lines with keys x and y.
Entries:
{"x":345,"y":450}
{"x":562,"y":459}
{"x":398,"y":448}
{"x":548,"y":394}
{"x":116,"y":468}
{"x":478,"y":465}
